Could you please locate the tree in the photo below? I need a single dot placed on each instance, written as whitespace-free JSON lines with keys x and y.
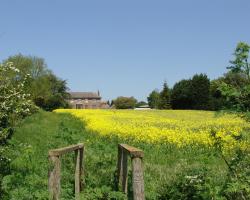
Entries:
{"x":140,"y":103}
{"x":47,"y":90}
{"x":192,"y":93}
{"x":154,"y":99}
{"x":165,"y":97}
{"x":181,"y":95}
{"x":125,"y":102}
{"x":200,"y":86}
{"x":237,"y":80}
{"x":240,"y":63}
{"x":32,"y":65}
{"x":236,"y":85}
{"x":217,"y":100}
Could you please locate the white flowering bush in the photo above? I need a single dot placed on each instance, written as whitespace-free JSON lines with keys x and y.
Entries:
{"x":15,"y":103}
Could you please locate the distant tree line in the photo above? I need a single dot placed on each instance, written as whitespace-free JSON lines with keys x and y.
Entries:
{"x":46,"y":89}
{"x":231,"y":91}
{"x":186,"y":94}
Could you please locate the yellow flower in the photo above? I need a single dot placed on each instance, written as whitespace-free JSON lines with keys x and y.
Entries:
{"x":172,"y":126}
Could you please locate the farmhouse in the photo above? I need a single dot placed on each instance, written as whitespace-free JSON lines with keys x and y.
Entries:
{"x":86,"y":100}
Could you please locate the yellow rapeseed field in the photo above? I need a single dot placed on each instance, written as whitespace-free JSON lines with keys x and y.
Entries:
{"x":177,"y":127}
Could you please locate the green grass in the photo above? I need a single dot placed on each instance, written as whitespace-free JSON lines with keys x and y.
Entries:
{"x":163,"y":164}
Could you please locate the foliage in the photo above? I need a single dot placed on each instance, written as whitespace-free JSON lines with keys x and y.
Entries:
{"x":15,"y":104}
{"x":102,"y":193}
{"x":192,"y":93}
{"x":14,"y":101}
{"x":181,"y":97}
{"x":57,"y":96}
{"x":216,"y":100}
{"x":47,"y":91}
{"x":237,"y":184}
{"x":154,"y":99}
{"x":240,"y":63}
{"x":200,"y":86}
{"x":140,"y":103}
{"x":237,"y":98}
{"x":28,"y":154}
{"x":236,"y":84}
{"x":125,"y":102}
{"x":165,"y":97}
{"x":189,"y":184}
{"x":222,"y":97}
{"x":198,"y":183}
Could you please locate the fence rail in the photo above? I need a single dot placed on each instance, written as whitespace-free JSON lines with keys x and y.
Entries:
{"x":55,"y":169}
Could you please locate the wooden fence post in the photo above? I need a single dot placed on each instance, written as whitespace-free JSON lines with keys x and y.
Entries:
{"x":137,"y":178}
{"x":137,"y":170}
{"x":119,"y":166}
{"x":125,"y":173}
{"x":54,"y":177}
{"x":78,"y":170}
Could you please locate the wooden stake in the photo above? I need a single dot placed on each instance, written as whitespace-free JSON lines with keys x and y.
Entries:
{"x":137,"y":179}
{"x":125,"y":173}
{"x":54,"y":177}
{"x":119,"y":167}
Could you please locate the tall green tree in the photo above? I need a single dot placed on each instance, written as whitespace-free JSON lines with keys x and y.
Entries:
{"x":200,"y":91}
{"x":54,"y":94}
{"x":181,"y":95}
{"x":154,"y":99}
{"x":240,"y":63}
{"x":192,"y":93}
{"x":236,"y":88}
{"x":165,"y":97}
{"x":32,"y":65}
{"x":46,"y":89}
{"x":217,"y":100}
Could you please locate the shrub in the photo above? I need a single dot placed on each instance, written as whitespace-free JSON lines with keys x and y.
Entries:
{"x":15,"y":104}
{"x":125,"y":102}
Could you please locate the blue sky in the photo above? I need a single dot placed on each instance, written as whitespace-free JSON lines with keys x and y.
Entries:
{"x":125,"y":47}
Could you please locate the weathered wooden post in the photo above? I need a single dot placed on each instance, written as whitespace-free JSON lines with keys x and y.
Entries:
{"x":125,"y":173}
{"x":119,"y":167}
{"x":54,"y":172}
{"x":78,"y":172}
{"x":54,"y":177}
{"x":137,"y":178}
{"x":122,"y":170}
{"x":137,"y":170}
